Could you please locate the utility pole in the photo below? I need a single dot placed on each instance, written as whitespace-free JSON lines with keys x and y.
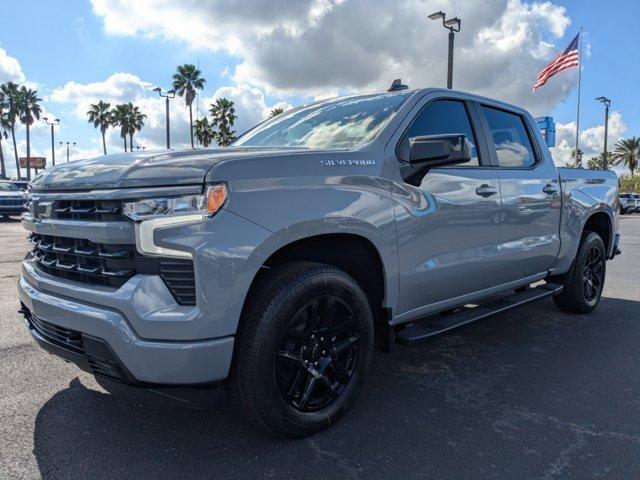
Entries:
{"x":453,"y":25}
{"x":167,"y":96}
{"x":53,"y":150}
{"x":607,"y":103}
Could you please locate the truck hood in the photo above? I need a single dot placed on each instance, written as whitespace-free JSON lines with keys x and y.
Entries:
{"x":144,"y":169}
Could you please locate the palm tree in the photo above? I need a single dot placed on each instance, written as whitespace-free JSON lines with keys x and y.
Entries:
{"x":275,"y":112}
{"x":100,"y":115}
{"x":136,"y":122}
{"x":597,"y":162}
{"x":627,"y":152}
{"x":576,"y":163}
{"x":10,"y":91}
{"x":186,"y":81}
{"x":29,"y":111}
{"x":5,"y":126}
{"x":204,"y":131}
{"x":223,"y":114}
{"x":120,"y":118}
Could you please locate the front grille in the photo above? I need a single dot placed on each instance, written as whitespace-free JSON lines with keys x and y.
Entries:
{"x":111,"y":265}
{"x":97,"y":210}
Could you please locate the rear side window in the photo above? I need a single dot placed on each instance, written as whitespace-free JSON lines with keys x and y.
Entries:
{"x":510,"y":138}
{"x":444,"y":117}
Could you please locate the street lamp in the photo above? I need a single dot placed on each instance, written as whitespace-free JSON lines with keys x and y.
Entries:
{"x":607,"y":103}
{"x":166,"y":96}
{"x":53,"y":149}
{"x":453,"y":25}
{"x":73,"y":143}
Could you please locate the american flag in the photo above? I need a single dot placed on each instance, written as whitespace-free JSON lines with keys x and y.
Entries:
{"x":567,"y":59}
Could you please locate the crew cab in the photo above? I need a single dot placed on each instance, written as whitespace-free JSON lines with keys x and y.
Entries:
{"x":275,"y":265}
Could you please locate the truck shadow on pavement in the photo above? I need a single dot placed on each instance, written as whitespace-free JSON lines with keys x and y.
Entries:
{"x":532,"y":393}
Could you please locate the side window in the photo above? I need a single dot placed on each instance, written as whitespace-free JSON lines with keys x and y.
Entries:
{"x":510,"y":137}
{"x":444,"y":117}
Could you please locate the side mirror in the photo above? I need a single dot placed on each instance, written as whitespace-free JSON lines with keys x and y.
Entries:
{"x":435,"y":150}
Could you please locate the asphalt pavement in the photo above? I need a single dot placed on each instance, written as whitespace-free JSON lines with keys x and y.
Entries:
{"x":534,"y":393}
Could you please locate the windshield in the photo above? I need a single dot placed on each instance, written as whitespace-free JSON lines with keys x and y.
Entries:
{"x":341,"y":123}
{"x":8,"y":187}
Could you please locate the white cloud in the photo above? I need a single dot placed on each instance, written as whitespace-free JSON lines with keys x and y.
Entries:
{"x":591,"y":139}
{"x":320,"y":47}
{"x":10,"y":69}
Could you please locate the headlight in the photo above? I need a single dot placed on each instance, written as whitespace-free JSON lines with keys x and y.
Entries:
{"x":204,"y":205}
{"x":150,"y":214}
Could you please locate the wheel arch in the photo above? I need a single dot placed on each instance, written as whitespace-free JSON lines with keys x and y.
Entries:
{"x":355,"y":254}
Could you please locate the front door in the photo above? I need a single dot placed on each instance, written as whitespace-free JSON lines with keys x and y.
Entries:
{"x":448,"y":226}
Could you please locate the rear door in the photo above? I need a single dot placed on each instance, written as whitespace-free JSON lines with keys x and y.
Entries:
{"x":530,"y":190}
{"x":448,"y":225}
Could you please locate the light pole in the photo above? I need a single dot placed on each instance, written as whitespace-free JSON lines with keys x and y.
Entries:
{"x":607,"y":103}
{"x":166,"y":96}
{"x":453,"y":25}
{"x":73,"y":143}
{"x":53,"y":149}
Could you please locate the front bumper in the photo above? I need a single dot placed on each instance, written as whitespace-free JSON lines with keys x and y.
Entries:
{"x":101,"y":341}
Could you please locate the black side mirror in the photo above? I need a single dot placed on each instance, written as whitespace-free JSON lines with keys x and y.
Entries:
{"x":436,"y":150}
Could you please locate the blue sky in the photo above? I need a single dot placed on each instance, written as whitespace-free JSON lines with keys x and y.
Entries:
{"x":266,"y":58}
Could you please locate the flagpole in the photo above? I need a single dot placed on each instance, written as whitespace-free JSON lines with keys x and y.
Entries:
{"x":579,"y":87}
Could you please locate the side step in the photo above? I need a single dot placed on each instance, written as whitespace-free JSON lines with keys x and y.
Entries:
{"x":421,"y":332}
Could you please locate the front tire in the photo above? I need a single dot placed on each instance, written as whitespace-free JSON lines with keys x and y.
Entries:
{"x":583,"y":290}
{"x":303,"y":346}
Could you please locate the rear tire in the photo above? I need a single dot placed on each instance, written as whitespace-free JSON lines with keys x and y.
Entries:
{"x":583,"y":289}
{"x":304,"y":343}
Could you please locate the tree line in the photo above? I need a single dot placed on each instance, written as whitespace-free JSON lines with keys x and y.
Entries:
{"x":21,"y":104}
{"x":625,"y":152}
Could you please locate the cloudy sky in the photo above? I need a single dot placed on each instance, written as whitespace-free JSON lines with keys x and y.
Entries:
{"x":266,"y":53}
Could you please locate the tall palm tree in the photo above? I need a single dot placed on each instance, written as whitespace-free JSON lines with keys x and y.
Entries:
{"x":276,"y":111}
{"x":29,"y":111}
{"x":186,"y":81}
{"x":5,"y":126}
{"x":100,"y":115}
{"x":204,"y":131}
{"x":627,"y":152}
{"x":120,"y":118}
{"x":597,"y":163}
{"x":10,"y":93}
{"x":136,"y":122}
{"x":223,"y":114}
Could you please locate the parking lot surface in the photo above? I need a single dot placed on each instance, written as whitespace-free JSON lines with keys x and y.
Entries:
{"x":534,"y":393}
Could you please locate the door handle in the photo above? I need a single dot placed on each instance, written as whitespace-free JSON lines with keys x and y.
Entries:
{"x":486,"y":190}
{"x":550,"y":189}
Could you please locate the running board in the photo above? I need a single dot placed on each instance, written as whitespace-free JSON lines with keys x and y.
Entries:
{"x":421,"y":332}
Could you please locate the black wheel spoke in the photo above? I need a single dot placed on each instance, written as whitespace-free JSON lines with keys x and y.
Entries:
{"x":341,"y":346}
{"x":291,"y":356}
{"x":309,"y":388}
{"x":328,"y":387}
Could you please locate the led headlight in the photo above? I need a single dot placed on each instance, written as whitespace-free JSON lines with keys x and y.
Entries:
{"x":152,"y":213}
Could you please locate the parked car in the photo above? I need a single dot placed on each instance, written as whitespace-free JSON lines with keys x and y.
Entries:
{"x":12,"y":199}
{"x":637,"y":201}
{"x":276,"y":264}
{"x":627,"y":203}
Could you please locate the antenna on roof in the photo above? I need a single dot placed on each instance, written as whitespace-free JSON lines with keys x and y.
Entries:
{"x":397,"y":85}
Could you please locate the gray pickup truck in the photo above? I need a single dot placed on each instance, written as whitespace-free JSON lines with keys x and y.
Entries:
{"x":277,"y":264}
